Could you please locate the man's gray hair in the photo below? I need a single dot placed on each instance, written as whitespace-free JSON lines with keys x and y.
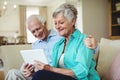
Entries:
{"x":39,"y":18}
{"x":67,"y":10}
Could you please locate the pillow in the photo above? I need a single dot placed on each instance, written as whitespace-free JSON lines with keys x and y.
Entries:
{"x":114,"y":70}
{"x":107,"y":51}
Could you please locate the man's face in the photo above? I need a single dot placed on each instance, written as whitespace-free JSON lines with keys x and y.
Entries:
{"x":38,"y":29}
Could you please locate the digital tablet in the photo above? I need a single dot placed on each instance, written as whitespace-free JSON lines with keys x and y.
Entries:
{"x":36,"y":54}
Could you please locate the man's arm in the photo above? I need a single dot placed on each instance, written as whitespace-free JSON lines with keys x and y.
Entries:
{"x":91,"y":43}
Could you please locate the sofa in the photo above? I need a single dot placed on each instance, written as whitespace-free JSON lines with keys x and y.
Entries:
{"x":108,"y":49}
{"x":10,"y":54}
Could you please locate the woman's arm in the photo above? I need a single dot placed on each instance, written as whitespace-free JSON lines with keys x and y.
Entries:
{"x":40,"y":66}
{"x":64,"y":71}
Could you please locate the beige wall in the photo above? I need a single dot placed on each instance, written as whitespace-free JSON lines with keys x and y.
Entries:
{"x":51,"y":9}
{"x":9,"y":22}
{"x":95,"y":18}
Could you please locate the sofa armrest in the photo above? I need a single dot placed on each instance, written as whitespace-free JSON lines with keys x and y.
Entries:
{"x":2,"y":77}
{"x":11,"y":56}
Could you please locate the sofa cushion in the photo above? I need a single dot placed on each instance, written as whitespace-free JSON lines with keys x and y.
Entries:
{"x":108,"y":50}
{"x":114,"y":70}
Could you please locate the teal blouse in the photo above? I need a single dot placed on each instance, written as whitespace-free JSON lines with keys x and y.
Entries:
{"x":77,"y":57}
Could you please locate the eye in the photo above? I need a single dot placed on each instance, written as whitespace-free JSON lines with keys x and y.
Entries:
{"x":33,"y":31}
{"x":62,"y":22}
{"x":55,"y":23}
{"x":38,"y":29}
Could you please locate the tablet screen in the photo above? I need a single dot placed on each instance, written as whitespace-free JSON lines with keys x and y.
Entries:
{"x":36,"y":54}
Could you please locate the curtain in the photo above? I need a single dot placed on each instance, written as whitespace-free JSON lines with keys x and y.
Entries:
{"x":43,"y":12}
{"x":23,"y":21}
{"x":23,"y":31}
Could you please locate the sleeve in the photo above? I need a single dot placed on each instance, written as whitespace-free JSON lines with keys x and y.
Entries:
{"x":83,"y":62}
{"x":97,"y":49}
{"x":33,"y":45}
{"x":54,"y":55}
{"x":21,"y":68}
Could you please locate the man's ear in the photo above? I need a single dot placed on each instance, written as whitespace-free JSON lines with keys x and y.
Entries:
{"x":45,"y":23}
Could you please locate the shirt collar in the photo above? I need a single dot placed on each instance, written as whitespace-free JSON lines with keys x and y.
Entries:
{"x":76,"y":34}
{"x":52,"y":33}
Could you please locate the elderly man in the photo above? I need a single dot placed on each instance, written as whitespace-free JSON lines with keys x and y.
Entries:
{"x":46,"y":40}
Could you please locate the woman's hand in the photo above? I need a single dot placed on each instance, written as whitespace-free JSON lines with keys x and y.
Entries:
{"x":28,"y":70}
{"x":40,"y":66}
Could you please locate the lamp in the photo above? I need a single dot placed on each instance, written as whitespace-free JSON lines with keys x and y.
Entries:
{"x":3,"y":7}
{"x":4,"y":4}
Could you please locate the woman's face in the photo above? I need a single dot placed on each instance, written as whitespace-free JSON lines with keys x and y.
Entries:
{"x":63,"y":26}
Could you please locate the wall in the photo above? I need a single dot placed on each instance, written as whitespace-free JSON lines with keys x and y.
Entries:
{"x":53,"y":6}
{"x":9,"y":22}
{"x":51,"y":9}
{"x":95,"y":18}
{"x":94,"y":14}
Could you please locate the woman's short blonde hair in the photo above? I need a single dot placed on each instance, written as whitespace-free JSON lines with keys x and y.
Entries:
{"x":67,"y":10}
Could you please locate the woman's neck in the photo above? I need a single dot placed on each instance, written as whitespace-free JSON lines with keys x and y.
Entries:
{"x":68,"y":37}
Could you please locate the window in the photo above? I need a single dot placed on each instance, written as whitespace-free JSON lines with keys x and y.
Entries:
{"x":79,"y":22}
{"x":29,"y":12}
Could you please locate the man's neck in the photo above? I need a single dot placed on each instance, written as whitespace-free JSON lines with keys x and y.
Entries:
{"x":47,"y":34}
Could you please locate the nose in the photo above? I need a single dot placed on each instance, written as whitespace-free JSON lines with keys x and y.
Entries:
{"x":36,"y":33}
{"x":57,"y":26}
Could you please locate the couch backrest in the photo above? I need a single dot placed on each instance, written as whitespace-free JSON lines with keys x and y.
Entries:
{"x":11,"y":56}
{"x":108,"y":49}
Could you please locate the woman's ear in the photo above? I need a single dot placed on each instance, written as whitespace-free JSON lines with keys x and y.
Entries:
{"x":73,"y":22}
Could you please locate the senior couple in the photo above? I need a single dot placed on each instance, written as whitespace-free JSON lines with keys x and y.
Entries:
{"x":70,"y":53}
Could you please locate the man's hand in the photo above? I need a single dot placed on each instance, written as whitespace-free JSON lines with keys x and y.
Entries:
{"x":91,"y":42}
{"x":28,"y":70}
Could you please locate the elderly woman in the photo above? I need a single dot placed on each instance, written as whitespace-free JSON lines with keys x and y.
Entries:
{"x":72,"y":60}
